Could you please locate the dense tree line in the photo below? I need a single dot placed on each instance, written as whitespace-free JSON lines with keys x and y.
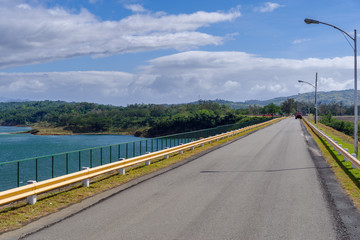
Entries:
{"x":290,"y":106}
{"x":149,"y":119}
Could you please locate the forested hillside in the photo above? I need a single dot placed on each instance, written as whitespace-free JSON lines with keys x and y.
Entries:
{"x":146,"y":120}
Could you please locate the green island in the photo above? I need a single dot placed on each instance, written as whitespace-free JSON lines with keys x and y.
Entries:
{"x":146,"y":120}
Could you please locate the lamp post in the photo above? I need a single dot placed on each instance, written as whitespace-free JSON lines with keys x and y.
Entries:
{"x":314,"y":86}
{"x":312,"y":21}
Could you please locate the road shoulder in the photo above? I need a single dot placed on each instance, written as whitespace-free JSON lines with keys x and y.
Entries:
{"x":345,"y":214}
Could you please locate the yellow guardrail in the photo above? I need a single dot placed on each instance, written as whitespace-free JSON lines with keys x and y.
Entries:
{"x":347,"y":156}
{"x":54,"y":183}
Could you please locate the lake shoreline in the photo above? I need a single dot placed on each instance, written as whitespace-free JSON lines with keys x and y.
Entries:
{"x":59,"y":131}
{"x":56,"y":132}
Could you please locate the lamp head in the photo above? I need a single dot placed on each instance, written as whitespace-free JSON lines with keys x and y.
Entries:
{"x":310,"y":21}
{"x":300,"y":81}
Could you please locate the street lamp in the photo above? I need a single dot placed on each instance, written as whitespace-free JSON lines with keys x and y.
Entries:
{"x":312,"y":21}
{"x":316,"y":109}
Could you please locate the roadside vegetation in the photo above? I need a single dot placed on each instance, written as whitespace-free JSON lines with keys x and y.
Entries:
{"x":345,"y":127}
{"x":348,"y":177}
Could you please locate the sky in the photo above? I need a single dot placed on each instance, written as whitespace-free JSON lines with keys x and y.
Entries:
{"x":122,"y":52}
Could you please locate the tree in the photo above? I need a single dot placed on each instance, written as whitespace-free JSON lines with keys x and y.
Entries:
{"x":289,"y":106}
{"x":271,"y":109}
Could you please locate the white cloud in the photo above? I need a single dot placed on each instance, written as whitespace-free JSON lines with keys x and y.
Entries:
{"x":34,"y":34}
{"x":92,"y":86}
{"x":330,"y":84}
{"x":268,"y":7}
{"x":182,"y":77}
{"x":24,"y":6}
{"x":238,"y":76}
{"x":135,"y":7}
{"x":299,"y":41}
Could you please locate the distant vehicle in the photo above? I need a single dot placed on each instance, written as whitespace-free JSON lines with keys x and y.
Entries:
{"x":298,"y":115}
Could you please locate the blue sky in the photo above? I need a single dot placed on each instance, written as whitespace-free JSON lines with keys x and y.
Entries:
{"x":128,"y":51}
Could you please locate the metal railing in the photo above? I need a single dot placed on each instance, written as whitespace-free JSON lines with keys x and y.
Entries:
{"x":16,"y":173}
{"x":355,"y":163}
{"x":31,"y":190}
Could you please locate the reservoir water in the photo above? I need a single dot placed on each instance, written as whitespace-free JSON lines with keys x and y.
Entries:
{"x":44,"y":157}
{"x":21,"y":146}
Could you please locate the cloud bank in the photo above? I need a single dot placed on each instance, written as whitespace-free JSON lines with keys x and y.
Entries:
{"x":33,"y":34}
{"x":185,"y":77}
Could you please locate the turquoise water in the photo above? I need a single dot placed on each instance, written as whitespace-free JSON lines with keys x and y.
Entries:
{"x":4,"y":129}
{"x":45,"y":157}
{"x":22,"y":146}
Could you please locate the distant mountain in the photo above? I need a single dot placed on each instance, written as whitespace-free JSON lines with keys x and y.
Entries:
{"x":344,"y":96}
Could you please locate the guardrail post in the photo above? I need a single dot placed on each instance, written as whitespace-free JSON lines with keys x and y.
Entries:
{"x":121,"y":170}
{"x":354,"y":155}
{"x":192,"y":148}
{"x":339,"y":151}
{"x":31,"y":199}
{"x":201,"y":145}
{"x":85,"y":182}
{"x":167,"y":155}
{"x":147,"y":162}
{"x":181,"y":151}
{"x":345,"y":159}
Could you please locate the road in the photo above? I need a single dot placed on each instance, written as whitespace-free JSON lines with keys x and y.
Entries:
{"x":263,"y":186}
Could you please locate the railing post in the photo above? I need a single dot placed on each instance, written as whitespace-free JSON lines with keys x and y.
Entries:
{"x":339,"y":151}
{"x":52,"y":166}
{"x":85,"y":182}
{"x":354,"y":155}
{"x":127,"y":150}
{"x":18,"y":173}
{"x":33,"y":198}
{"x":134,"y":149}
{"x":67,"y":163}
{"x":121,"y":170}
{"x":181,"y":151}
{"x":36,"y":169}
{"x":79,"y":160}
{"x":119,"y":150}
{"x":345,"y":159}
{"x":167,"y":155}
{"x":140,"y":147}
{"x":91,"y":159}
{"x":147,"y":162}
{"x":110,"y":155}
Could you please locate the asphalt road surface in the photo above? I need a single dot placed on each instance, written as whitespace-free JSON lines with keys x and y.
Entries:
{"x":263,"y":186}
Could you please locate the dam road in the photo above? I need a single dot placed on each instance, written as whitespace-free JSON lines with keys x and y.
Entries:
{"x":271,"y":184}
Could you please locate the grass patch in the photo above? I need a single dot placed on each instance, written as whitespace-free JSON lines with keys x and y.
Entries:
{"x":348,"y":177}
{"x":18,"y":214}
